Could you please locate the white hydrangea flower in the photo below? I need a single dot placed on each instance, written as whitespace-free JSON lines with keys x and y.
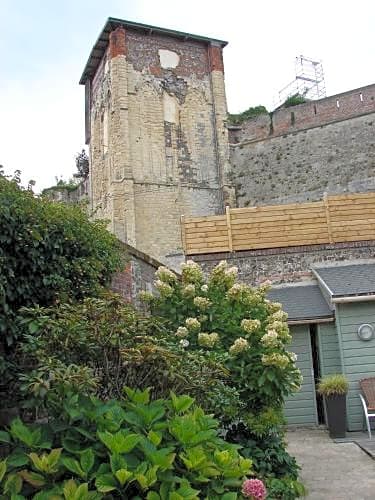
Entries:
{"x":275,"y":359}
{"x":270,"y":339}
{"x":202,"y":303}
{"x":280,"y":315}
{"x":166,"y":275}
{"x":189,"y":290}
{"x":191,"y":272}
{"x":164,"y":289}
{"x":250,"y":325}
{"x":208,"y":339}
{"x":204,"y":288}
{"x":293,"y":356}
{"x":238,"y":346}
{"x":236,"y":289}
{"x":182,"y":332}
{"x":232,"y":272}
{"x":192,"y":324}
{"x":184,"y":343}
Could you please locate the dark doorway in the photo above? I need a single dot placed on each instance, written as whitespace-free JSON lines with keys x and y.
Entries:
{"x":317,"y":373}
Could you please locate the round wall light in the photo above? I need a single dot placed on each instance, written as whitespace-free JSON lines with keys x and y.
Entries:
{"x":366,"y":332}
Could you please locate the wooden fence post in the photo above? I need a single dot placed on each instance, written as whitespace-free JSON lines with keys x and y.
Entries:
{"x":328,"y":217}
{"x":229,"y":228}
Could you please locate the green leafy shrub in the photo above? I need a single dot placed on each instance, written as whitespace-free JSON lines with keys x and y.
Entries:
{"x":48,"y":252}
{"x":333,"y":385}
{"x":101,"y":344}
{"x":215,"y":314}
{"x":137,"y":448}
{"x":237,"y":119}
{"x":270,"y":459}
{"x":294,"y":100}
{"x":62,"y":185}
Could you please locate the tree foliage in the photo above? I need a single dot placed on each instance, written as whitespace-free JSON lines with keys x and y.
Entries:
{"x":82,"y":164}
{"x":48,"y":251}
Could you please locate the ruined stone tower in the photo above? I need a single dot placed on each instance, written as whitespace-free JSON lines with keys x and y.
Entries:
{"x":155,"y":124}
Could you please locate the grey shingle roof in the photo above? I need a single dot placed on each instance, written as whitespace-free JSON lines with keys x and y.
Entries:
{"x":302,"y":302}
{"x":348,"y":280}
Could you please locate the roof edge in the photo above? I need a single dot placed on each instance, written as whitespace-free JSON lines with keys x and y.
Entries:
{"x":364,"y":297}
{"x":306,"y":321}
{"x":113,"y":23}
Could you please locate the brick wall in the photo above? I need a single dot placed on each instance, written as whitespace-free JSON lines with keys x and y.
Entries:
{"x":139,"y":274}
{"x":287,"y":265}
{"x":332,"y":151}
{"x":334,"y":108}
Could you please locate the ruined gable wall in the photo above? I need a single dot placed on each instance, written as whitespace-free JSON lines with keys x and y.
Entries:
{"x":300,"y":152}
{"x":160,"y":104}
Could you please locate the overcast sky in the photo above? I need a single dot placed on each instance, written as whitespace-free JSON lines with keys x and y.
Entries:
{"x":44,"y":45}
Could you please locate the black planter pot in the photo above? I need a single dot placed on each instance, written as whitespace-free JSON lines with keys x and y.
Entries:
{"x":336,"y":415}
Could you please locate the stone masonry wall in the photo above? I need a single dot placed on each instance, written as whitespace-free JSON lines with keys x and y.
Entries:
{"x":138,"y":274}
{"x":68,"y":195}
{"x":159,"y":145}
{"x":301,"y":152}
{"x":286,"y":265}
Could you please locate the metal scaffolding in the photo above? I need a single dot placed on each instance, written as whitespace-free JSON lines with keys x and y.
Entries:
{"x":309,"y":81}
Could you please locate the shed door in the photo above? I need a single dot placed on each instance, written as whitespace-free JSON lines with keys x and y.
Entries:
{"x":300,"y":408}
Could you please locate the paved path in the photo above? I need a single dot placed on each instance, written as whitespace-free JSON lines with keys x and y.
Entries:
{"x":332,"y":471}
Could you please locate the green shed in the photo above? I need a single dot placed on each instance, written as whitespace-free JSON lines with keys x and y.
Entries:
{"x":325,"y":318}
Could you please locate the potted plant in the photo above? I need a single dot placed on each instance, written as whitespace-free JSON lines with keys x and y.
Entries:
{"x":334,"y":389}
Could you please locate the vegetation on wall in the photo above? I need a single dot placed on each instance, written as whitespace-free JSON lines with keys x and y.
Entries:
{"x":62,"y":185}
{"x":294,"y":100}
{"x":237,"y":119}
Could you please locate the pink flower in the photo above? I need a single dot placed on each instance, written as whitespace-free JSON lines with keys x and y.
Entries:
{"x":254,"y":489}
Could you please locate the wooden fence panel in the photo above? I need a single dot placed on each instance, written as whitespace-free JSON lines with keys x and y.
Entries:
{"x":338,"y":218}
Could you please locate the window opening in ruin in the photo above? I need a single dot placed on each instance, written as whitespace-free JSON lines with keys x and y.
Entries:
{"x":314,"y":109}
{"x":292,"y":118}
{"x":337,"y":103}
{"x":361,"y":97}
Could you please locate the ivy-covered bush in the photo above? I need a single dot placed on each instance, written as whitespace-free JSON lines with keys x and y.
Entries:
{"x":49,"y":252}
{"x":216,"y":314}
{"x":136,"y":448}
